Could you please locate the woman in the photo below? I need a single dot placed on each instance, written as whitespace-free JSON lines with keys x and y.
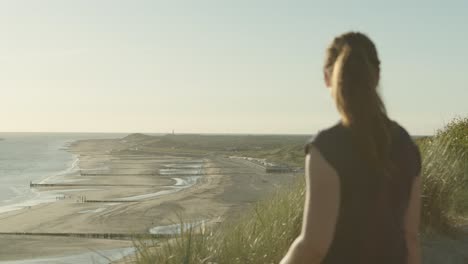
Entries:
{"x":362,"y":175}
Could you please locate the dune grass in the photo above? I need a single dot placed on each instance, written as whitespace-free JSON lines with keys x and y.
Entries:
{"x":261,"y":235}
{"x":445,"y":182}
{"x":264,"y":234}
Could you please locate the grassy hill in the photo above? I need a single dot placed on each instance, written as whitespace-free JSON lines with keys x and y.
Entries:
{"x":287,"y":149}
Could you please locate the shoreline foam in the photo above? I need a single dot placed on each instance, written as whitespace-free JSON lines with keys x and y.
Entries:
{"x":33,"y":197}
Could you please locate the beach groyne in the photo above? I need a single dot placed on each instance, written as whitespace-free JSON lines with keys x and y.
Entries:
{"x":164,"y":175}
{"x":114,"y":236}
{"x":35,"y":185}
{"x":109,"y":201}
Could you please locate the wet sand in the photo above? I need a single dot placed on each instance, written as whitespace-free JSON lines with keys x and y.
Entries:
{"x":46,"y":247}
{"x":119,"y":189}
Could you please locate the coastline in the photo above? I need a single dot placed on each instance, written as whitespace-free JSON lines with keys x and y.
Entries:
{"x":71,"y":168}
{"x":33,"y":197}
{"x":111,"y":189}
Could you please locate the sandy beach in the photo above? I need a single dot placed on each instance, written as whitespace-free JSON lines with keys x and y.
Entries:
{"x":119,"y":189}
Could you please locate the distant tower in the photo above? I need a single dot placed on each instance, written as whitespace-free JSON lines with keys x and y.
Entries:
{"x":172,"y":131}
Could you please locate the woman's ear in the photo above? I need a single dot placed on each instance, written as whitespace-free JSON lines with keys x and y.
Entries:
{"x":326,"y":78}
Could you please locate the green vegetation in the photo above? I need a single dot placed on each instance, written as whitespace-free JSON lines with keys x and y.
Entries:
{"x":277,"y":148}
{"x":264,"y":234}
{"x":445,"y":172}
{"x":260,"y":236}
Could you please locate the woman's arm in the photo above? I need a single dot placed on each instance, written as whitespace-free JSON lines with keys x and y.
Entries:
{"x":320,"y":212}
{"x":412,"y":219}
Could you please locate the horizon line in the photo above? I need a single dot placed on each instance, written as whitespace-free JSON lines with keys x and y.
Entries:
{"x":170,"y":133}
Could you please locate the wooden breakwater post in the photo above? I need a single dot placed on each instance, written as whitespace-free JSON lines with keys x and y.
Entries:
{"x":37,"y":185}
{"x":110,"y":201}
{"x":113,"y":236}
{"x":119,"y":174}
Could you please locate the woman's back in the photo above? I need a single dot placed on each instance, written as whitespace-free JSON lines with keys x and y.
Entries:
{"x":370,"y":223}
{"x":362,"y":191}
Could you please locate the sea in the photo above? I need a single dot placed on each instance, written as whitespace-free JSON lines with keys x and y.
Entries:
{"x":35,"y":157}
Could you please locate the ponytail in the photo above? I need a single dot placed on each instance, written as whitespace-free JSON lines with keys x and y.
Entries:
{"x":355,"y":77}
{"x":354,"y":68}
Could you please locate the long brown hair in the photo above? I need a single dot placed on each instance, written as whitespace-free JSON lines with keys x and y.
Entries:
{"x":353,"y":68}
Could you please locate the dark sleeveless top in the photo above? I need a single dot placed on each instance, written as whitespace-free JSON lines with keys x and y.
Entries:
{"x":370,"y":223}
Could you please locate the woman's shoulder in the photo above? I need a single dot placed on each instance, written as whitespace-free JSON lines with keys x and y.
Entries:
{"x":399,"y":130}
{"x":405,"y":146}
{"x":402,"y":136}
{"x":324,"y":137}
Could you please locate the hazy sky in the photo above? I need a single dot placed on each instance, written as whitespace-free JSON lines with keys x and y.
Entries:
{"x":220,"y":66}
